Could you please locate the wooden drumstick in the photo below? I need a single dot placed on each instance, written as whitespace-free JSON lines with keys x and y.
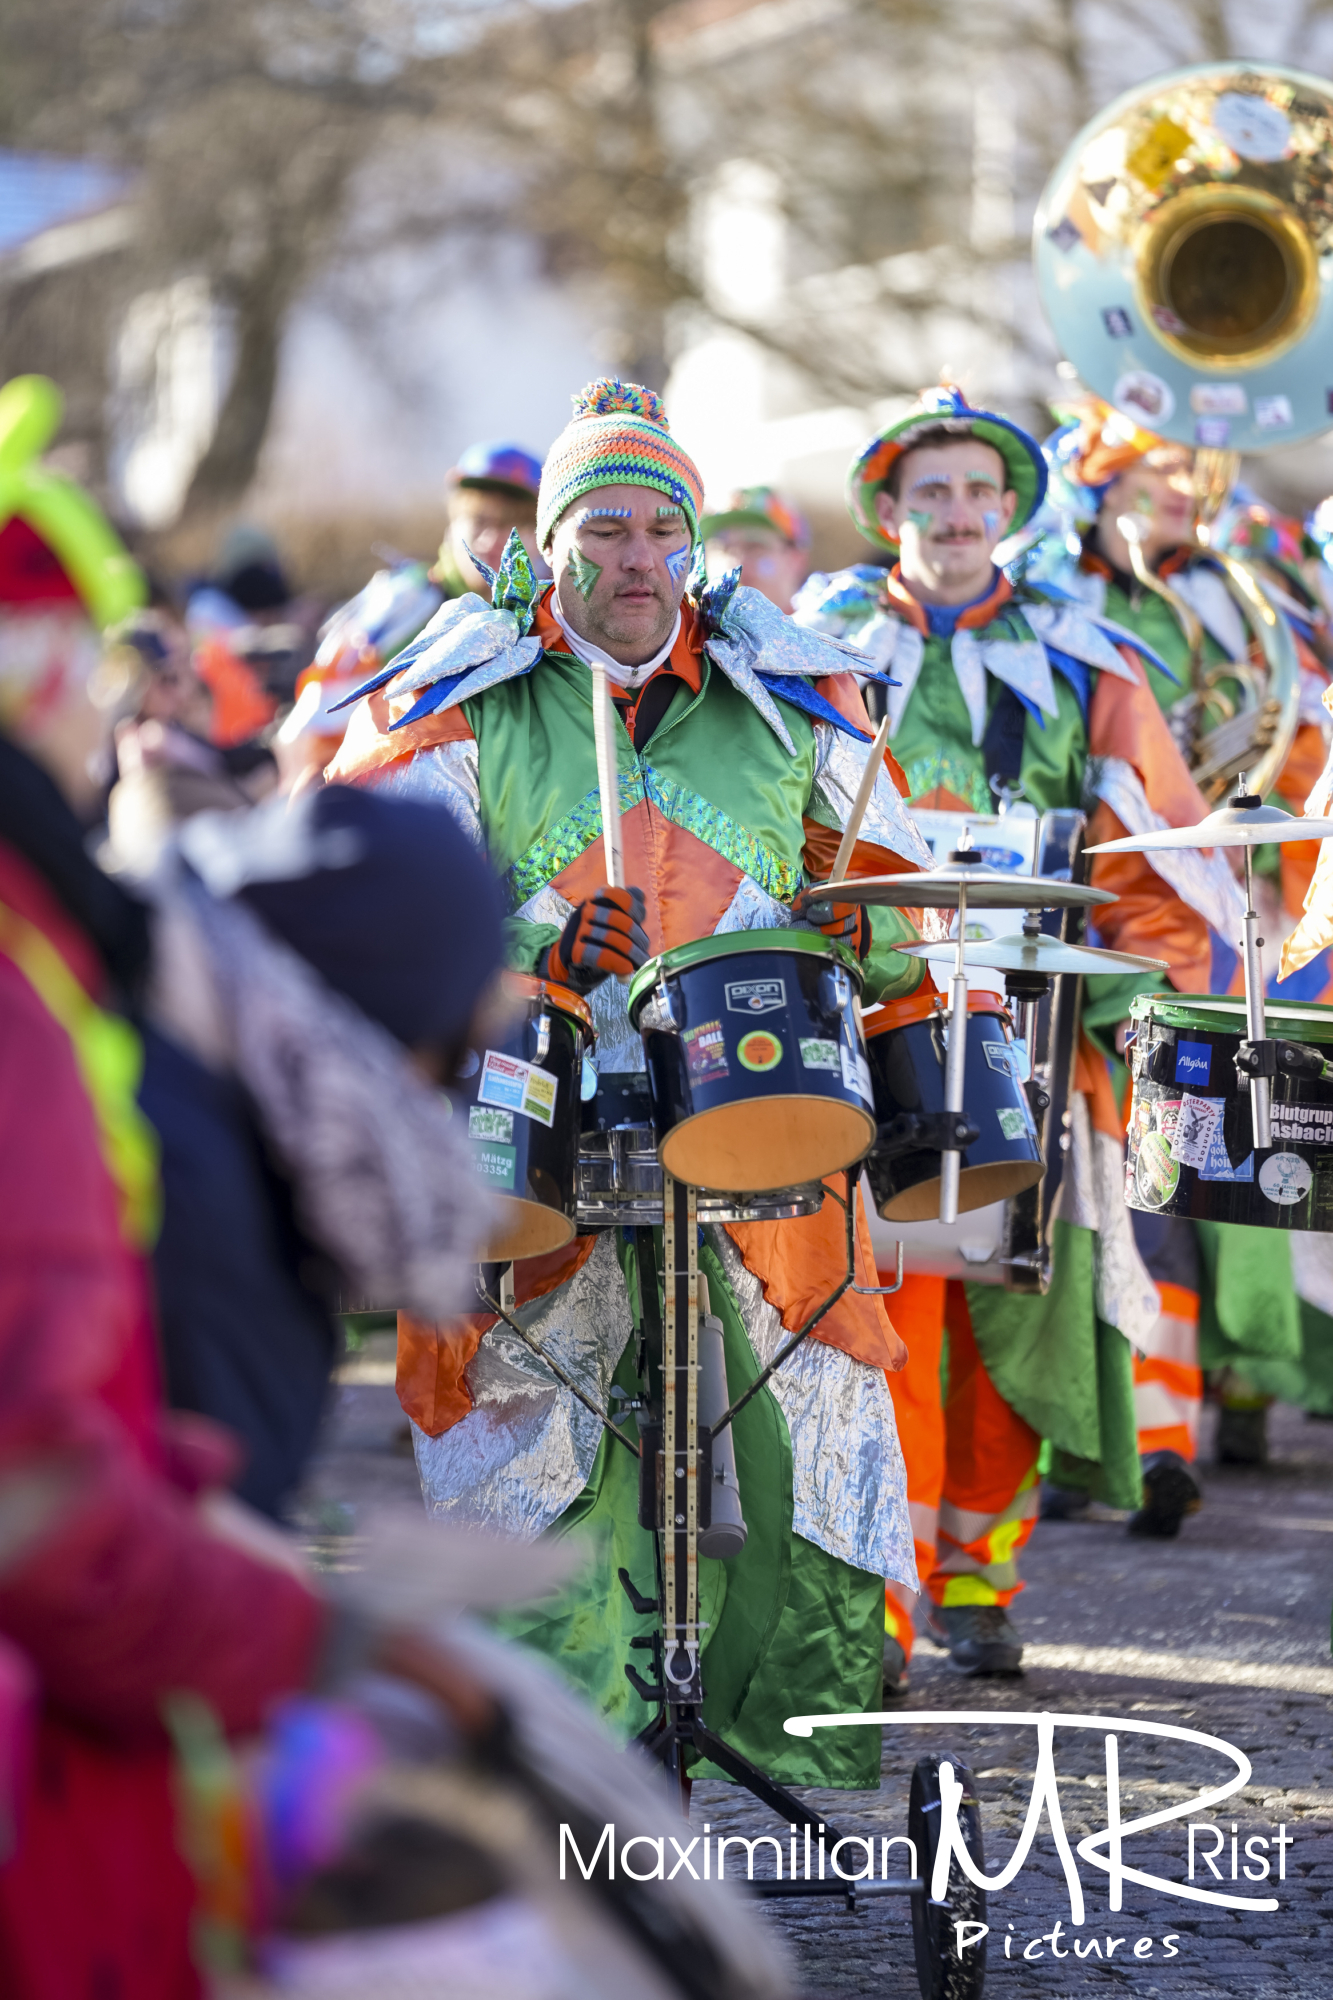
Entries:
{"x":860,"y":804}
{"x":608,"y":775}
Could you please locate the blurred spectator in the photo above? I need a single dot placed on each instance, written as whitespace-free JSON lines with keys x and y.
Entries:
{"x":253,"y":636}
{"x":166,"y":767}
{"x":312,"y":965}
{"x":492,"y":489}
{"x":766,"y":536}
{"x":63,"y":574}
{"x":129,"y":1578}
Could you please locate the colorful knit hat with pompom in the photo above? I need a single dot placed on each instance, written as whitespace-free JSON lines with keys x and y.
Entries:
{"x":617,"y":436}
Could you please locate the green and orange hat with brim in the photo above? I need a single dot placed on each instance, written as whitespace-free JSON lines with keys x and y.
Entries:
{"x":944,"y":409}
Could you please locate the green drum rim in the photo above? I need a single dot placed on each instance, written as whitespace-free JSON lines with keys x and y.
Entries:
{"x":728,"y":944}
{"x":1224,"y":1013}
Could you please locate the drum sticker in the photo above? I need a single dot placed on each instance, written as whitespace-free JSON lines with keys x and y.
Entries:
{"x":1218,"y":1167}
{"x":1156,"y":1174}
{"x":1285,"y":1178}
{"x":518,"y":1086}
{"x":1014,"y":1124}
{"x":705,"y":1052}
{"x":484,"y":1123}
{"x":495,"y":1164}
{"x":1312,"y":1124}
{"x":759,"y":1050}
{"x":1193,"y":1061}
{"x":1200,"y":1119}
{"x":756,"y":996}
{"x":819,"y":1055}
{"x":856,"y":1073}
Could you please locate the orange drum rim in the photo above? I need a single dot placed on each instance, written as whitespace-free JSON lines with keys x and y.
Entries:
{"x":527,"y":986}
{"x":919,"y":1006}
{"x":525,"y":1228}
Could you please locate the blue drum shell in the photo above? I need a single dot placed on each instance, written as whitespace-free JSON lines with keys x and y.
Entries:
{"x":531,"y":1166}
{"x":755,"y":1060}
{"x":907,"y":1056}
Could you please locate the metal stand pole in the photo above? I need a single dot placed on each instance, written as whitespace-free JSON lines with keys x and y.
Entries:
{"x":1256,"y":1027}
{"x":950,"y":1159}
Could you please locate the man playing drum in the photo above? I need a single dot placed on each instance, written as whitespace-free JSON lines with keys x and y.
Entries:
{"x":741,"y":741}
{"x":1233,"y":1285}
{"x":1005,"y":694}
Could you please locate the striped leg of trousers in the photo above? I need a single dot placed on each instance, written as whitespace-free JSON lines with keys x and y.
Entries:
{"x":1168,"y":1383}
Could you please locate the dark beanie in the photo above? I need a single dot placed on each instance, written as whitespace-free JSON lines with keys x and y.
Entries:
{"x":393,"y":905}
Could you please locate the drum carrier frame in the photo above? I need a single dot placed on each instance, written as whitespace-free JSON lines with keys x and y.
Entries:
{"x":675,"y":1455}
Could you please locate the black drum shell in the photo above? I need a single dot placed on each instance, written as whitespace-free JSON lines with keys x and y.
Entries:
{"x":825,"y":1118}
{"x":534,"y":1170}
{"x":1297,"y":1102}
{"x":907,"y":1071}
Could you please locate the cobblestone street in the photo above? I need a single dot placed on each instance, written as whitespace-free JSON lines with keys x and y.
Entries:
{"x":1224,"y":1631}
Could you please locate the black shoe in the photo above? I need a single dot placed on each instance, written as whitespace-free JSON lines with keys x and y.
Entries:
{"x":979,"y":1637}
{"x":1242,"y":1436}
{"x":895,"y":1669}
{"x":1063,"y":1503}
{"x":1170,"y":1492}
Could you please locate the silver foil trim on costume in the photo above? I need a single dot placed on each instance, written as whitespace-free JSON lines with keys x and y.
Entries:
{"x":445,"y":775}
{"x":753,"y":909}
{"x":849,"y":1483}
{"x":839,"y":764}
{"x":1205,"y":882}
{"x":1092,"y":1196}
{"x":525,"y":1451}
{"x":1206,"y":593}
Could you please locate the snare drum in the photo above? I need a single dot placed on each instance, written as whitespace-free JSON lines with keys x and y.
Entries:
{"x":620,"y":1175}
{"x":1191,"y":1140}
{"x":905,"y":1041}
{"x":755,"y":1058}
{"x":523,"y":1116}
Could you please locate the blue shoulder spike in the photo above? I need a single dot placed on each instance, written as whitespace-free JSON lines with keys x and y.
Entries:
{"x":435,"y":696}
{"x":713,"y":601}
{"x":1075,"y":672}
{"x":368,"y":687}
{"x":794,"y":688}
{"x":1124,"y":637}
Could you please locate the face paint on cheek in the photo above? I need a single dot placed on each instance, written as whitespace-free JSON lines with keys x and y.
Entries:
{"x":583,"y":572}
{"x":919,"y":518}
{"x":678,"y":562}
{"x":991,"y":520}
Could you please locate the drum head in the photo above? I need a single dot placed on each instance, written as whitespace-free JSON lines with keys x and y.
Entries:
{"x":525,"y":1229}
{"x":766,"y":1142}
{"x":978,"y":1187}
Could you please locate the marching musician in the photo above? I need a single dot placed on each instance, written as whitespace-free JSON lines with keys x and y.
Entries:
{"x":741,"y":743}
{"x":762,"y":532}
{"x":1007,"y":692}
{"x":1223,"y":1288}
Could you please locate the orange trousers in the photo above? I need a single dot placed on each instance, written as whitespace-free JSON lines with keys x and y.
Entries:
{"x":972,"y":1484}
{"x":1168,"y":1385}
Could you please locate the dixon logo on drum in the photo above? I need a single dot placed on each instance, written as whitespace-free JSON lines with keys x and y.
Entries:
{"x":755,"y":996}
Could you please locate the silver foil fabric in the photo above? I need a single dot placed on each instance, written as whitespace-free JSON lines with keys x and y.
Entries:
{"x":527,"y":1448}
{"x":445,"y":775}
{"x":840,"y":764}
{"x":1203,"y":881}
{"x":1092,"y":1196}
{"x":849,"y":1484}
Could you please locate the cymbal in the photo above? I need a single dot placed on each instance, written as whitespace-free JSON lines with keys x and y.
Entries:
{"x":1230,"y":826}
{"x":1045,"y":955}
{"x":937,"y":889}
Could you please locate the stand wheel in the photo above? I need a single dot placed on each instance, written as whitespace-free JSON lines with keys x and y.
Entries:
{"x":943,"y":1971}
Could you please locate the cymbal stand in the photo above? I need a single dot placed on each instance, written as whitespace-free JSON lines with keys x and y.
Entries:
{"x":1255,"y":1024}
{"x":674,"y":1502}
